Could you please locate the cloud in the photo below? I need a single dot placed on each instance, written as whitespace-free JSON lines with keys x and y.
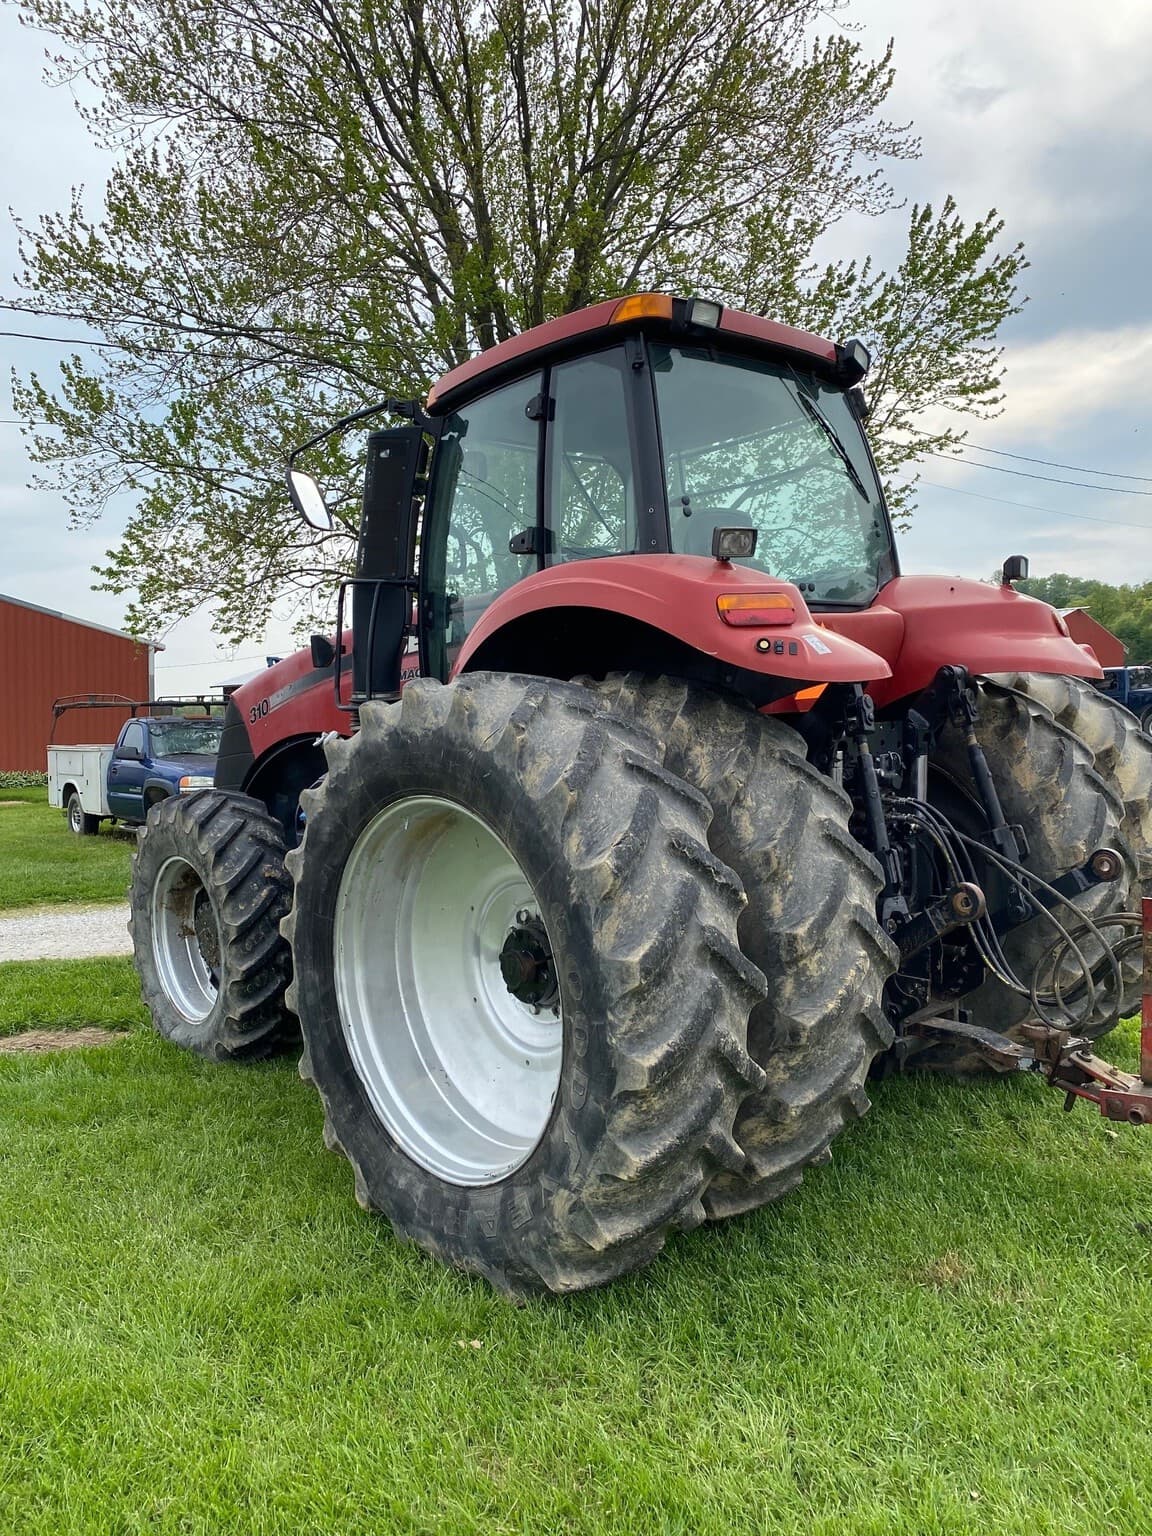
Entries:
{"x":997,"y":91}
{"x":1071,"y":379}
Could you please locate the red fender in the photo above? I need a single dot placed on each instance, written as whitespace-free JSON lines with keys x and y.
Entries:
{"x":676,"y":594}
{"x":922,"y":623}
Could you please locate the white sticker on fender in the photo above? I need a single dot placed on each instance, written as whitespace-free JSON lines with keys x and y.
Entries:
{"x":815,"y":643}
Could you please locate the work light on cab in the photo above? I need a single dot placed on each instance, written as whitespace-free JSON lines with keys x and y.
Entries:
{"x":733,"y":543}
{"x":704,"y":312}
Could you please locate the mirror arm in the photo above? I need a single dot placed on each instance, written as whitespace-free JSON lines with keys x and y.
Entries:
{"x":409,"y":409}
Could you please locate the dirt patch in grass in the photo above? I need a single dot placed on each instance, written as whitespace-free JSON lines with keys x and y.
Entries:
{"x":35,"y":1040}
{"x":943,"y":1273}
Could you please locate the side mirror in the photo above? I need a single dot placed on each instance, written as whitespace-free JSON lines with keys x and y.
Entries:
{"x":308,"y":499}
{"x":859,"y":403}
{"x":323,"y":652}
{"x":1015,"y":569}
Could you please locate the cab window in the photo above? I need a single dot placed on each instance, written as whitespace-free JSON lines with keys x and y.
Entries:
{"x":484,"y":493}
{"x":591,"y":497}
{"x":132,"y":741}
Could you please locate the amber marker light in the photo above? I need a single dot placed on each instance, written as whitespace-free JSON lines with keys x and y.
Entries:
{"x":755,"y":610}
{"x":643,"y":306}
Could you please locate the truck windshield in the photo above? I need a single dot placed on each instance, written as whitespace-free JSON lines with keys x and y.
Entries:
{"x":748,"y":443}
{"x":186,"y":738}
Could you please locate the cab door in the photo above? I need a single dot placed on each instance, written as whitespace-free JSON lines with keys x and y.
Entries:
{"x":482,"y":525}
{"x":126,"y":773}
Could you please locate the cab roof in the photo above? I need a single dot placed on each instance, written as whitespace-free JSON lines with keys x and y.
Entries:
{"x":656,"y":312}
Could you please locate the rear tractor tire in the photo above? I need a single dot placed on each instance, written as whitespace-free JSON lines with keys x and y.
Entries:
{"x":517,"y":971}
{"x":810,"y":925}
{"x":209,"y":890}
{"x":1051,"y":783}
{"x":1121,"y":750}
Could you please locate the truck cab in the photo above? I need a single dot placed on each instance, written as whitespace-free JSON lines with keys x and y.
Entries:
{"x":156,"y":757}
{"x":1132,"y":687}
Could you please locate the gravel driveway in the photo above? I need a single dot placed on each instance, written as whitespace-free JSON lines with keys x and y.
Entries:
{"x":65,"y":933}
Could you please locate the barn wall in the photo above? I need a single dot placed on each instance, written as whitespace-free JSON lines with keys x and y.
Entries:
{"x":45,"y":656}
{"x":1086,"y":630}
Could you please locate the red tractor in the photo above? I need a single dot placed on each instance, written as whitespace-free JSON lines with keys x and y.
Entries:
{"x":643,"y":808}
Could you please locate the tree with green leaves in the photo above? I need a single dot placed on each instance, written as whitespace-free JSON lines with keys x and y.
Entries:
{"x":321,"y":202}
{"x":1125,"y":610}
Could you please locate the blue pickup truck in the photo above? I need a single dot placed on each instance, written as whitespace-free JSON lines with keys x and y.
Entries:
{"x":153,"y":757}
{"x":1132,"y":687}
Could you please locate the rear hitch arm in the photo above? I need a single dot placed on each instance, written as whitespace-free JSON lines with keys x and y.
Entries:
{"x":1065,"y":1060}
{"x":960,"y":906}
{"x":859,"y":722}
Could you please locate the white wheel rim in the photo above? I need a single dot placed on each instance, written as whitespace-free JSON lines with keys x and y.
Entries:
{"x":77,"y":815}
{"x":462,"y":1072}
{"x":186,"y":973}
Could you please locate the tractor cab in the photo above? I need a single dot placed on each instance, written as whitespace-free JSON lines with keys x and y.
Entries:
{"x":647,"y":426}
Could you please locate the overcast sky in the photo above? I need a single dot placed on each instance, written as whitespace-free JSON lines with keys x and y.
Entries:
{"x":1040,"y":108}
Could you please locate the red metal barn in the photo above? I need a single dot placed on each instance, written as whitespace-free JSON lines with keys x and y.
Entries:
{"x":47,"y":655}
{"x":1085,"y":630}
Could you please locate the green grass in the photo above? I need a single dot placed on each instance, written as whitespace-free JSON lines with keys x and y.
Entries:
{"x":43,"y":863}
{"x":69,"y":994}
{"x":949,"y":1330}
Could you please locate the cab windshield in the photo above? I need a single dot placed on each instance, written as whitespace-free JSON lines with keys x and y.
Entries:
{"x":748,"y":443}
{"x":186,"y":738}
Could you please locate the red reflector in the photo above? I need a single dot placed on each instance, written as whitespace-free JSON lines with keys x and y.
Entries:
{"x":755,"y":610}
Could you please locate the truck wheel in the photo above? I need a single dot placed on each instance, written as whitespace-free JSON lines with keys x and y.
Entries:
{"x":517,"y":972}
{"x":208,"y":892}
{"x":1048,"y":784}
{"x":78,"y":818}
{"x":810,"y":925}
{"x":1146,"y":721}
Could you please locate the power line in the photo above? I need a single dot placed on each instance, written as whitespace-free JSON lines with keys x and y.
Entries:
{"x":1023,"y":474}
{"x":1030,"y":506}
{"x":65,"y":341}
{"x":1113,"y":474}
{"x":224,"y":661}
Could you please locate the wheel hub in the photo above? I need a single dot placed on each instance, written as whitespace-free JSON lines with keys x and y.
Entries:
{"x":186,"y":940}
{"x":448,"y":990}
{"x":526,"y":963}
{"x":207,"y":934}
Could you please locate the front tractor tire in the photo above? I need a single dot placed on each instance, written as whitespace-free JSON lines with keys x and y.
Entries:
{"x":209,"y":890}
{"x":521,"y":991}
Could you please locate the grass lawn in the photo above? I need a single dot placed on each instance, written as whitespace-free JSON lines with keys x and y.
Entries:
{"x":949,"y":1330}
{"x":43,"y":863}
{"x":35,"y":994}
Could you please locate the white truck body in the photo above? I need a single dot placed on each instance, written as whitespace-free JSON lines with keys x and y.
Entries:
{"x":83,"y":769}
